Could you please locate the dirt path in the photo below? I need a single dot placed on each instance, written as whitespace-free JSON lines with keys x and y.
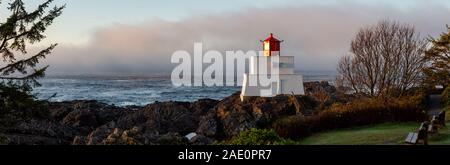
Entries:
{"x":435,"y":105}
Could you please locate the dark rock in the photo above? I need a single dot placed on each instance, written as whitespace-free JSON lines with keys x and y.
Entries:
{"x":85,"y":116}
{"x":232,"y":116}
{"x":79,"y":140}
{"x":95,"y":123}
{"x":3,"y":140}
{"x":97,"y":136}
{"x":202,"y":107}
{"x":171,"y":117}
{"x":180,"y":117}
{"x":59,"y":112}
{"x":172,"y":139}
{"x":61,"y":109}
{"x":28,"y":139}
{"x":85,"y":120}
{"x":35,"y":132}
{"x":208,"y":125}
{"x":201,"y":140}
{"x":312,"y":87}
{"x":134,"y":136}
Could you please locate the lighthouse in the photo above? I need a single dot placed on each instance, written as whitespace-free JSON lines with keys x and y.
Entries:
{"x":281,"y":70}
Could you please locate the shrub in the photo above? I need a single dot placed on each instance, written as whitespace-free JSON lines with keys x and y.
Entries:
{"x":446,"y":98}
{"x":357,"y":113}
{"x":3,"y":140}
{"x":18,"y":105}
{"x":258,"y":137}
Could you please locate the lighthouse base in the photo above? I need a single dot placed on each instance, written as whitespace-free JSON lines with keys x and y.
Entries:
{"x":286,"y":84}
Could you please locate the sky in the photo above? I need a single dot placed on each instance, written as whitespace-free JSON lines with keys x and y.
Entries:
{"x":139,"y":36}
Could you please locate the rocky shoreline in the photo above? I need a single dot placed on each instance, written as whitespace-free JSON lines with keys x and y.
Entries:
{"x":206,"y":120}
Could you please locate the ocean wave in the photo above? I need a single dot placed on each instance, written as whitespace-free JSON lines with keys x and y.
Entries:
{"x":133,"y":90}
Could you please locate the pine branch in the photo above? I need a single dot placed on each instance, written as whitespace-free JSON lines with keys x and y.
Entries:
{"x":38,"y":12}
{"x":21,"y":65}
{"x":8,"y":56}
{"x":22,"y":27}
{"x":34,"y":33}
{"x":3,"y":43}
{"x":36,"y":74}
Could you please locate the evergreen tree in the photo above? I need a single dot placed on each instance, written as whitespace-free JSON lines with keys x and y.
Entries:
{"x":22,"y":28}
{"x":18,"y":70}
{"x":438,"y":72}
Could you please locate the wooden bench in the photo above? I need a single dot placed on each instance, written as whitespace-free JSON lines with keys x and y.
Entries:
{"x":434,"y":126}
{"x":441,"y":118}
{"x":421,"y":136}
{"x":412,"y":138}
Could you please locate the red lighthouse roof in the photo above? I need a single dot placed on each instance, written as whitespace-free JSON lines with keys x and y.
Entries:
{"x":272,"y":39}
{"x":271,"y":46}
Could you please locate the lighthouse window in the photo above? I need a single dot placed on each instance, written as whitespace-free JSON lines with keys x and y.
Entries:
{"x":286,"y":65}
{"x":267,"y":46}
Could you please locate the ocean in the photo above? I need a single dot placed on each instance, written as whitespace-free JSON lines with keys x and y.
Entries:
{"x":137,"y":90}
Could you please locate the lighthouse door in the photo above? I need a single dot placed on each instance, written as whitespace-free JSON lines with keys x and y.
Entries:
{"x":275,"y":88}
{"x":283,"y":85}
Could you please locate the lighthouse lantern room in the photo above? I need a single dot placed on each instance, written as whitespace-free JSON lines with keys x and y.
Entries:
{"x":271,"y":46}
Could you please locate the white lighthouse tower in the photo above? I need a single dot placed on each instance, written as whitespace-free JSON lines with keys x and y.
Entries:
{"x":284,"y":80}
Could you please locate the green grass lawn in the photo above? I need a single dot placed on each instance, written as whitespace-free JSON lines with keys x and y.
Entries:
{"x":443,"y":138}
{"x":382,"y":134}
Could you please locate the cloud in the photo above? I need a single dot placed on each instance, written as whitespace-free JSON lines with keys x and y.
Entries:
{"x":316,"y":35}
